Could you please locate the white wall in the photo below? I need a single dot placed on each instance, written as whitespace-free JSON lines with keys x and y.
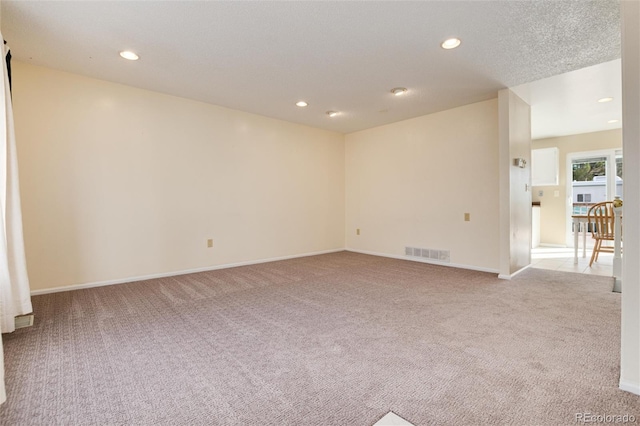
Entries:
{"x":515,"y":191}
{"x":630,"y":333}
{"x":410,"y":183}
{"x":119,"y":182}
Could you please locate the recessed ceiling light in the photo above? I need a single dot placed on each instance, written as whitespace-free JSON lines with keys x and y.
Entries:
{"x":301,"y":104}
{"x":127,"y":54}
{"x":603,"y":100}
{"x":451,"y":43}
{"x":399,"y":91}
{"x":332,"y":113}
{"x":612,"y":121}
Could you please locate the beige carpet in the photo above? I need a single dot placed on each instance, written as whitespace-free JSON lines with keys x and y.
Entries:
{"x":338,"y":339}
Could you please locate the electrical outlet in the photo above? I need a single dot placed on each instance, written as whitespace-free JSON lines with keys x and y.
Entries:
{"x":209,"y":243}
{"x":467,"y":217}
{"x":358,"y":231}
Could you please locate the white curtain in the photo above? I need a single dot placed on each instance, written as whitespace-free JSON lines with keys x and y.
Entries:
{"x":15,"y":297}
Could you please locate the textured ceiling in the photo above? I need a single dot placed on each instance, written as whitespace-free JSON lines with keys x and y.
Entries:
{"x":262,"y":57}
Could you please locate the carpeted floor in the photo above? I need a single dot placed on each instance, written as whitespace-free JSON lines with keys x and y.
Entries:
{"x":337,"y":339}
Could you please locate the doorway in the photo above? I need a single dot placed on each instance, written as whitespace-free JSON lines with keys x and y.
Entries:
{"x":592,"y":177}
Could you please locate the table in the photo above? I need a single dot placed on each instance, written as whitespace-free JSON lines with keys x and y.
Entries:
{"x":579,"y":223}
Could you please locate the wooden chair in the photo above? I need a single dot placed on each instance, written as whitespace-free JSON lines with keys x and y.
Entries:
{"x":601,"y":219}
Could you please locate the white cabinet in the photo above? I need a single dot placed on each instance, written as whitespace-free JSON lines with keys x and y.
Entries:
{"x":544,"y":167}
{"x":535,"y":225}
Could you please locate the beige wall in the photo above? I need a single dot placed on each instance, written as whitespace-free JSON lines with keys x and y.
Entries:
{"x":410,"y":183}
{"x":630,"y":330}
{"x":553,"y":210}
{"x":515,"y":193}
{"x":119,"y":182}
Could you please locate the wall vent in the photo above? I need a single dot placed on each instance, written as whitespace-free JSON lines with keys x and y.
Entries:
{"x":24,"y":321}
{"x":432,"y":255}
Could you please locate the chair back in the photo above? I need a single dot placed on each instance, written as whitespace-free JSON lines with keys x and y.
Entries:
{"x":601,"y":218}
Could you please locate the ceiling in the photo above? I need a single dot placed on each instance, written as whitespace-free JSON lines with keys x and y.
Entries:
{"x":567,"y":104}
{"x":263,"y":57}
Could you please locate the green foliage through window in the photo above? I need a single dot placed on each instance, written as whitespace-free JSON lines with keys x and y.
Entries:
{"x":586,"y":171}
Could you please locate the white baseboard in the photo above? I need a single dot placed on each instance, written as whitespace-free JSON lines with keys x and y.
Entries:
{"x":175,"y":273}
{"x":414,"y":259}
{"x":508,"y":277}
{"x":553,"y":245}
{"x":630,"y":387}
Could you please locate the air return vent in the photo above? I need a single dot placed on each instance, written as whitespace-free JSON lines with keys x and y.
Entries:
{"x":24,"y":321}
{"x":431,"y":255}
